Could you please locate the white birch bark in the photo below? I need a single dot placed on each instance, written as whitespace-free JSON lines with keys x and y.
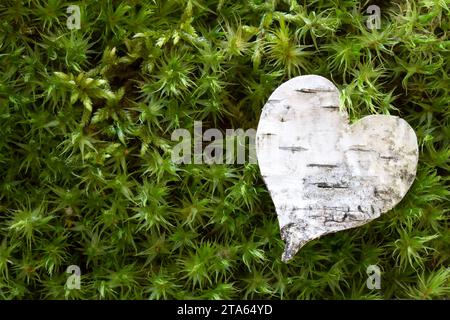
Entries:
{"x":323,"y":174}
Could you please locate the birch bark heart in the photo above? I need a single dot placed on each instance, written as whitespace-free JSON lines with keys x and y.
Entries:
{"x":325,"y":175}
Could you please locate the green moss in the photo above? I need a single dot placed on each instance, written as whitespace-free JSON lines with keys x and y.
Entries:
{"x":86,"y":176}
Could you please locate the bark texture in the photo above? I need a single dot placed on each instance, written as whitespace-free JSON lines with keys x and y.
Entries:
{"x":323,"y":174}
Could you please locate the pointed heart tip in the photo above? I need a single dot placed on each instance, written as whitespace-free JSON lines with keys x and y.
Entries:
{"x":287,"y":256}
{"x":294,"y":242}
{"x":290,"y":250}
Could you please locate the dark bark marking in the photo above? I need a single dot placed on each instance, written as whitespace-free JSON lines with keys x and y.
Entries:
{"x":306,"y":90}
{"x":324,"y":185}
{"x":330,"y":107}
{"x":359,"y":149}
{"x":320,"y":165}
{"x":293,"y":149}
{"x":388,"y":157}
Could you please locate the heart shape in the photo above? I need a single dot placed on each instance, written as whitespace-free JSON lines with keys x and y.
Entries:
{"x":323,"y":174}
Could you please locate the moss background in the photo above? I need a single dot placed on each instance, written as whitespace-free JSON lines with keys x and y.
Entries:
{"x":86,"y":119}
